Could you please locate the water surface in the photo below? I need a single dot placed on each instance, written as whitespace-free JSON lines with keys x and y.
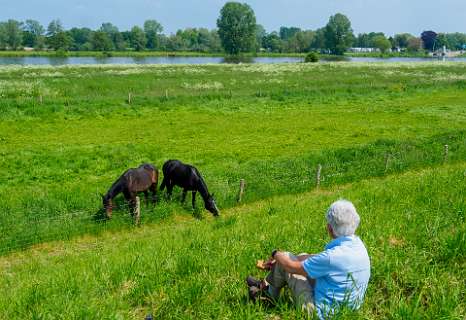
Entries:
{"x":58,"y":61}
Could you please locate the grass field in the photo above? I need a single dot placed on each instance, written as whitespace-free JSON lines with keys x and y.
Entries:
{"x":67,"y":133}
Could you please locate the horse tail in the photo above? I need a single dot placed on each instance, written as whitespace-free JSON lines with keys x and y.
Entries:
{"x":156,"y":176}
{"x":164,"y":183}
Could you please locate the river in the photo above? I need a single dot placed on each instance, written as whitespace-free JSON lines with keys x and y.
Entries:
{"x":58,"y":61}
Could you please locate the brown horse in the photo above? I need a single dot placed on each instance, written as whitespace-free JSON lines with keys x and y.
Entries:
{"x":131,"y":182}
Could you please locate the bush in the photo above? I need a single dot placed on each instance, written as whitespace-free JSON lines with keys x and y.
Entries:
{"x":311,"y":57}
{"x":61,"y":53}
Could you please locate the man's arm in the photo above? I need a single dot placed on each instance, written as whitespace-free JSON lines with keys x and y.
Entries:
{"x":290,"y":266}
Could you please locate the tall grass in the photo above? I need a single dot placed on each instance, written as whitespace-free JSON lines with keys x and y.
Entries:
{"x":413,"y":226}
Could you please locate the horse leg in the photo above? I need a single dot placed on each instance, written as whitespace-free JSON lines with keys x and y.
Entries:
{"x":194,"y":200}
{"x":131,"y":198}
{"x":169,"y":190}
{"x":146,"y":197}
{"x":164,"y":184}
{"x":153,"y":190}
{"x":183,"y":195}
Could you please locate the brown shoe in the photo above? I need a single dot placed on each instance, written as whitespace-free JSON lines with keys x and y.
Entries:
{"x":253,"y":282}
{"x":261,"y":295}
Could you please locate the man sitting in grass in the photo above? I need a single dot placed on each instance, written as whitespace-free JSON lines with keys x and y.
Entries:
{"x":326,"y":281}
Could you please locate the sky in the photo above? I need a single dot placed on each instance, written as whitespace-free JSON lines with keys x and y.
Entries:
{"x":388,"y":16}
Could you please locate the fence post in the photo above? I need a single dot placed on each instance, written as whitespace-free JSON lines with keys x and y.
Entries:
{"x":137,"y":211}
{"x":445,"y":153}
{"x":319,"y":170}
{"x":129,"y":98}
{"x":241,"y":190}
{"x":40,"y":99}
{"x":166,"y":94}
{"x":387,"y":159}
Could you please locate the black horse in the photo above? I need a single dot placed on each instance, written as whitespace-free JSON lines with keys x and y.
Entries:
{"x":132,"y":181}
{"x":176,"y":173}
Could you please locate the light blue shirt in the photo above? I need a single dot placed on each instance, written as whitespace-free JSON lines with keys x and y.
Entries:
{"x":342,"y":273}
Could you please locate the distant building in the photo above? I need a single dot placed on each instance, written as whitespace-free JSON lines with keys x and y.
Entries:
{"x":363,"y":50}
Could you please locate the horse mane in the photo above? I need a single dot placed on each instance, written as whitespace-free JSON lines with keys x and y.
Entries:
{"x":202,"y":185}
{"x":116,"y":186}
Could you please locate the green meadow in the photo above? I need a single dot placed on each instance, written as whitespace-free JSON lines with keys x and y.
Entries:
{"x":378,"y":130}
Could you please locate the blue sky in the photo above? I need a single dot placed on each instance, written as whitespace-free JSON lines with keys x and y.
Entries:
{"x":389,"y":16}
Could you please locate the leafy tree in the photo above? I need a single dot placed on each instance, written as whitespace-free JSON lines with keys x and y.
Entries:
{"x":208,"y":41}
{"x":100,"y":41}
{"x":152,"y":30}
{"x":318,"y":42}
{"x":260,"y":35}
{"x":299,"y":42}
{"x":81,"y":38}
{"x":119,"y":42}
{"x":192,"y":39}
{"x":54,"y":27}
{"x":338,"y":34}
{"x":288,"y":32}
{"x":3,"y":37}
{"x":60,"y":41}
{"x":176,"y":43}
{"x":138,"y":39}
{"x":273,"y":42}
{"x":237,"y":27}
{"x":414,"y":44}
{"x":108,"y":28}
{"x":33,"y":33}
{"x":401,"y":40}
{"x":381,"y":43}
{"x":366,"y":40}
{"x":215,"y":43}
{"x":441,"y":41}
{"x":362,"y":41}
{"x":456,"y":41}
{"x":428,"y":39}
{"x":13,"y":33}
{"x":57,"y":38}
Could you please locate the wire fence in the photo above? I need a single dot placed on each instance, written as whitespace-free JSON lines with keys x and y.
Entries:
{"x":22,"y":230}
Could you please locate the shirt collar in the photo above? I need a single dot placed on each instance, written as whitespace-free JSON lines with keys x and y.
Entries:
{"x":339,"y":241}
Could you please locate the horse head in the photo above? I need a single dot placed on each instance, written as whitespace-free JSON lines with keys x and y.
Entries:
{"x":211,"y":206}
{"x":108,"y":206}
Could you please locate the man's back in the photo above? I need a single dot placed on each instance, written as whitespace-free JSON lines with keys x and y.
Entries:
{"x":342,"y":273}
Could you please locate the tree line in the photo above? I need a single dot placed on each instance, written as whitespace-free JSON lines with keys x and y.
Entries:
{"x":237,"y":32}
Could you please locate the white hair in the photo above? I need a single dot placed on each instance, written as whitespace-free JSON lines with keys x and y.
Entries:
{"x":343,"y":218}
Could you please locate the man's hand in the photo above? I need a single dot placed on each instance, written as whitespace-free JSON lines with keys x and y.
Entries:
{"x":269,"y":263}
{"x":290,"y":265}
{"x":265,"y":265}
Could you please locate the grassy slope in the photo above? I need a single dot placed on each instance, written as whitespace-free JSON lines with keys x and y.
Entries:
{"x":269,"y":124}
{"x":412,"y":224}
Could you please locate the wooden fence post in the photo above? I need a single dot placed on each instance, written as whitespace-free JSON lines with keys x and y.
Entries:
{"x":387,"y":160}
{"x":166,"y":94}
{"x":137,"y":211}
{"x":129,"y":98}
{"x":445,"y":153}
{"x":40,"y":99}
{"x":319,"y":170}
{"x":241,"y":190}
